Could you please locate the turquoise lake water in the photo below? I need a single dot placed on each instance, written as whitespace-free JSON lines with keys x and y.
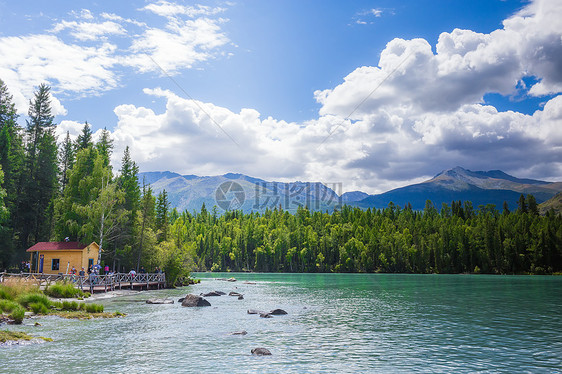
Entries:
{"x":336,"y":323}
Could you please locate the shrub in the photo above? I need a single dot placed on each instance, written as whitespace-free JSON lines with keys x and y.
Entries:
{"x":17,"y":315}
{"x":39,"y":308}
{"x":26,"y":299}
{"x":93,"y":308}
{"x":5,"y":293}
{"x":8,"y":306}
{"x":70,"y":305}
{"x":63,"y":290}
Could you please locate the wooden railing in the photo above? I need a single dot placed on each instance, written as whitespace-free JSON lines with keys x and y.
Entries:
{"x":95,"y":282}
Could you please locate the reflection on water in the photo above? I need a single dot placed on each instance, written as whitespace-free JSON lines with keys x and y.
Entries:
{"x":336,"y":323}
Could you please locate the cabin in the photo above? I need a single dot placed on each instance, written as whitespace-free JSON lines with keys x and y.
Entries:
{"x":60,"y":257}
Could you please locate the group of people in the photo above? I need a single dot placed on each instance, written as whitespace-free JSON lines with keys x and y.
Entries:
{"x":25,"y":267}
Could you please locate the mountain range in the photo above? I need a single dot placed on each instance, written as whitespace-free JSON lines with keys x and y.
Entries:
{"x":238,"y":191}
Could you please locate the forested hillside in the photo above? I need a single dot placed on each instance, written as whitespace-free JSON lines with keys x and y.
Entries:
{"x":458,"y":239}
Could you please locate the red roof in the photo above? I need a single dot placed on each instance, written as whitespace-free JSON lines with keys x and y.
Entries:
{"x":53,"y":246}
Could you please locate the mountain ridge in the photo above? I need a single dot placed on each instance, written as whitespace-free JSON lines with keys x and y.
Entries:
{"x":239,"y":191}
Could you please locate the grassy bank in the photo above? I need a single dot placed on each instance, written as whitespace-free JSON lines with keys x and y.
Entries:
{"x":18,"y":296}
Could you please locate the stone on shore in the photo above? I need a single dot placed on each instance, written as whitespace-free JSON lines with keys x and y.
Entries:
{"x":261,"y":352}
{"x":191,"y":300}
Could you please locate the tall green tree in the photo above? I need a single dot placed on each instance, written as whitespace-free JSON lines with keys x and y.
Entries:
{"x":162,"y":219}
{"x":67,"y":156}
{"x":84,"y":140}
{"x":40,"y":169}
{"x":105,"y":146}
{"x":145,"y":221}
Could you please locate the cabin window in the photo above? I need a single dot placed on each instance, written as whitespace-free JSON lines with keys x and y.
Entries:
{"x":55,"y":264}
{"x":90,"y":263}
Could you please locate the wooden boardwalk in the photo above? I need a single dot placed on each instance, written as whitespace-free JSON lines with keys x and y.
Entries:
{"x":96,"y":283}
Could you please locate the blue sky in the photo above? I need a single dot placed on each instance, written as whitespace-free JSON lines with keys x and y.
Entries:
{"x":276,"y":85}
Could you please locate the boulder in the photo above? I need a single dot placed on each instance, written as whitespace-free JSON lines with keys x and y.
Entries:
{"x":277,"y":312}
{"x":231,"y":280}
{"x":243,"y":332}
{"x":159,"y":301}
{"x":232,"y":293}
{"x":261,"y":352}
{"x":191,"y":300}
{"x":212,"y":293}
{"x":180,"y":299}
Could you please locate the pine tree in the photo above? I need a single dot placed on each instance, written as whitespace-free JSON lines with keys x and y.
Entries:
{"x":66,"y":160}
{"x":162,"y":220}
{"x":128,"y":183}
{"x":522,"y":205}
{"x":11,"y":147}
{"x":39,"y":183}
{"x":105,"y":146}
{"x":532,"y":205}
{"x":84,"y":140}
{"x":145,"y":220}
{"x":505,"y":208}
{"x":5,"y":250}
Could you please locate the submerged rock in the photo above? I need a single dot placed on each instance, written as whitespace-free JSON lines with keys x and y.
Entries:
{"x":191,"y":300}
{"x":159,"y":301}
{"x":266,"y":315}
{"x":243,"y":332}
{"x":221,"y":293}
{"x":253,"y":311}
{"x":261,"y":352}
{"x":232,"y":293}
{"x":277,"y":312}
{"x":240,"y":297}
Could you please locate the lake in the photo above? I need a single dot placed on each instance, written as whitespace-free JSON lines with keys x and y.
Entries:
{"x":336,"y":323}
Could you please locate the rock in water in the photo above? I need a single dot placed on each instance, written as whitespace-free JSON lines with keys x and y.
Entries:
{"x":159,"y":301}
{"x":180,"y":299}
{"x":277,"y":312}
{"x":212,"y":293}
{"x":261,"y":352}
{"x":266,"y":315}
{"x":253,"y":311}
{"x":240,"y":297}
{"x":232,"y":293}
{"x":191,"y":300}
{"x":243,"y":332}
{"x":220,"y":293}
